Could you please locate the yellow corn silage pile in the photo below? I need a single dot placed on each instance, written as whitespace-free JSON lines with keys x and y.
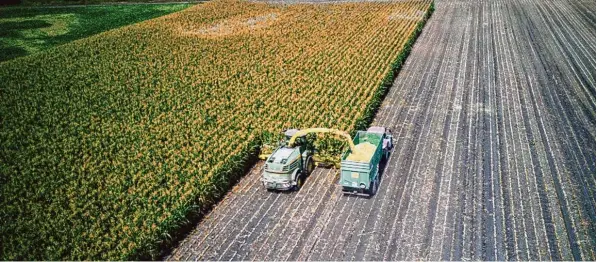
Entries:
{"x":364,"y":152}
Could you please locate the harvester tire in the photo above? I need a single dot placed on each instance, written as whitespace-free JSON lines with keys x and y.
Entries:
{"x":310,"y":166}
{"x":300,"y":180}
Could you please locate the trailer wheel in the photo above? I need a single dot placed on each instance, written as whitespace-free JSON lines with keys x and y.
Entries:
{"x":374,"y":185}
{"x":372,"y":189}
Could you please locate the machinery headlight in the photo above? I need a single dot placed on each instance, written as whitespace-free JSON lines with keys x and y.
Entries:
{"x":362,"y":185}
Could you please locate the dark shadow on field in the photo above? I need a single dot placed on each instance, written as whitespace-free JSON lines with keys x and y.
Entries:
{"x":10,"y":52}
{"x":285,"y":192}
{"x":88,"y":21}
{"x":11,"y":30}
{"x":382,"y":169}
{"x":10,"y":2}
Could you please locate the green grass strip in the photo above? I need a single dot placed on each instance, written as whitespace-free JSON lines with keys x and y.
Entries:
{"x":28,"y":30}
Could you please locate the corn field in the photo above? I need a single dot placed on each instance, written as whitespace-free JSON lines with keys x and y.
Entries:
{"x":108,"y":144}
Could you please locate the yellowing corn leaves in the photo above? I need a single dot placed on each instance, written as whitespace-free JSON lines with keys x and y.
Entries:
{"x":107,"y":143}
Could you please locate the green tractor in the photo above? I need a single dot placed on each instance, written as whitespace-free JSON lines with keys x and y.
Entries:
{"x":289,"y":165}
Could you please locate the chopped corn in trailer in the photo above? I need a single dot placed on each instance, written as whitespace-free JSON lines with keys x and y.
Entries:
{"x":359,"y":171}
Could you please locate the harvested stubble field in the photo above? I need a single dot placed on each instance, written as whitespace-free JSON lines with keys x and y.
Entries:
{"x":108,"y":143}
{"x":494,"y":115}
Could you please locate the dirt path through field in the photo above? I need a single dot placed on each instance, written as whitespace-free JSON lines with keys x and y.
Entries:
{"x":494,"y":115}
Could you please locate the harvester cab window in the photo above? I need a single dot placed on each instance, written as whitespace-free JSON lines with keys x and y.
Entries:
{"x":288,"y":134}
{"x":286,"y":141}
{"x":300,"y":141}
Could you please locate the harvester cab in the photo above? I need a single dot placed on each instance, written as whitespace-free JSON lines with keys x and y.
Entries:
{"x":290,"y":164}
{"x":288,"y":134}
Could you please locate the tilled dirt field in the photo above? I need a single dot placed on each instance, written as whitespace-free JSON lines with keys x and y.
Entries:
{"x":494,"y":115}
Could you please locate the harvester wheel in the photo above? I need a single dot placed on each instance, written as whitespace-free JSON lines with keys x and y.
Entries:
{"x":310,"y":166}
{"x":300,"y":180}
